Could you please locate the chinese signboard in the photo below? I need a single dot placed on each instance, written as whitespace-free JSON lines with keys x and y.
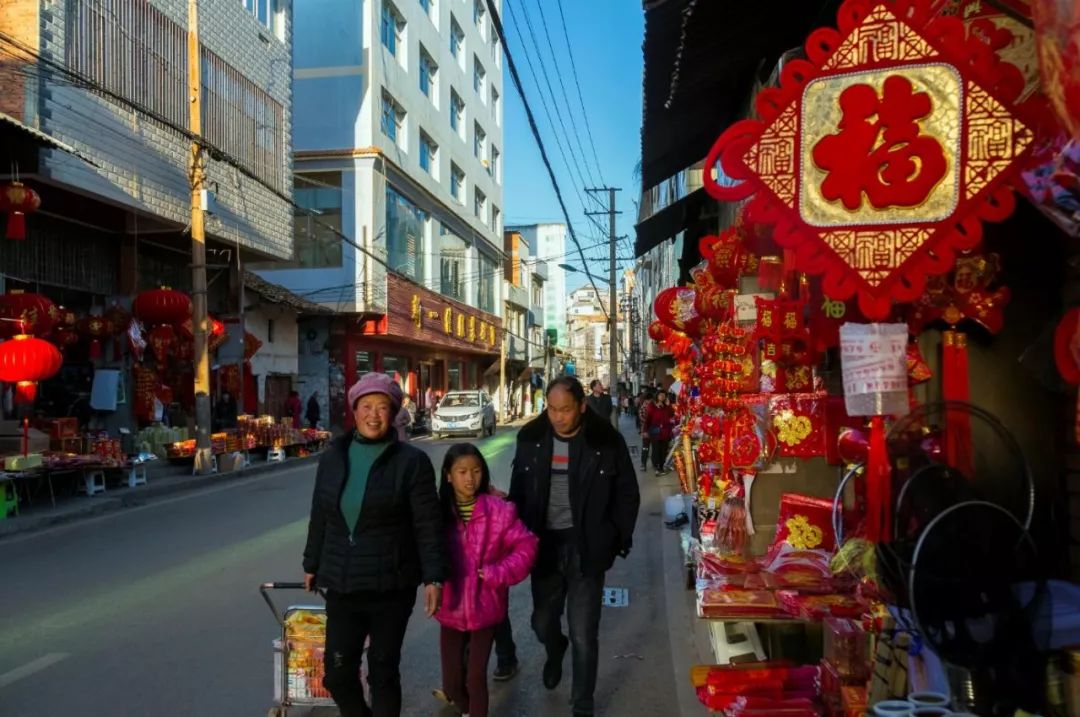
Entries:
{"x":419,"y":314}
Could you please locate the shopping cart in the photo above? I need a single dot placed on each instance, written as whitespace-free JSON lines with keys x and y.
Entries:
{"x":298,"y":654}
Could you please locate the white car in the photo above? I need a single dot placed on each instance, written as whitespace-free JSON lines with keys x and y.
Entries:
{"x":464,"y":412}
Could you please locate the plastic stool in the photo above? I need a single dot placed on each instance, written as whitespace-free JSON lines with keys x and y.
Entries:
{"x":213,"y":466}
{"x":731,"y":640}
{"x":137,"y":476}
{"x":275,"y":455}
{"x":93,"y":483}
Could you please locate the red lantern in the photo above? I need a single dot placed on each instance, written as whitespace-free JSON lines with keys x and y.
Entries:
{"x":217,"y":335}
{"x":18,"y":200}
{"x":657,"y":331}
{"x":24,"y":361}
{"x":162,"y":339}
{"x":65,"y":338}
{"x":162,"y":306}
{"x":67,"y":317}
{"x":95,"y":328}
{"x":26,"y":313}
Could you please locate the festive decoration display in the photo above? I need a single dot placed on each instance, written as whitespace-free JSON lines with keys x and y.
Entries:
{"x":162,"y":340}
{"x":17,"y":200}
{"x":27,"y":313}
{"x":95,"y":328}
{"x":25,"y":360}
{"x":880,"y":155}
{"x":162,"y":306}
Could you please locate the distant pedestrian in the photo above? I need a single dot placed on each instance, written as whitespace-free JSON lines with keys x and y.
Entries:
{"x":226,"y":411}
{"x":293,"y":408}
{"x":374,"y":535}
{"x":643,"y":424}
{"x":598,"y":400}
{"x":489,"y":549}
{"x":404,"y":419}
{"x":660,"y":422}
{"x":312,"y":413}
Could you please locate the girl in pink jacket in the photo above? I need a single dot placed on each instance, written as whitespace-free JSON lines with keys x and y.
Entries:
{"x":489,"y":549}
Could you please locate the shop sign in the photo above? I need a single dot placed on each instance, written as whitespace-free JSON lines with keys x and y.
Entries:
{"x":878,"y":157}
{"x":455,"y":322}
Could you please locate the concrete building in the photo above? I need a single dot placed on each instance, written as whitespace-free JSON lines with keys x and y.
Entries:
{"x":526,"y":346}
{"x":548,"y":242}
{"x":587,"y":332}
{"x":398,"y":127}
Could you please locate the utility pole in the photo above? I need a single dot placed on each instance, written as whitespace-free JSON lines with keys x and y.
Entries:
{"x":197,"y":170}
{"x":613,"y":305}
{"x":502,"y":371}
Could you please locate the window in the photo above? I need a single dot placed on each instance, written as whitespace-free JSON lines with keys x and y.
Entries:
{"x":457,"y":112}
{"x":426,"y":4}
{"x":391,"y":27}
{"x":397,"y":368}
{"x":496,"y":217}
{"x":453,"y":262}
{"x":317,"y":219}
{"x":453,"y":377}
{"x":404,"y":236}
{"x":486,"y":288}
{"x":478,"y":15}
{"x":269,"y":331}
{"x":429,"y":155}
{"x":493,"y":169}
{"x":479,"y":138}
{"x":428,"y":71}
{"x":480,"y":204}
{"x":393,"y":117}
{"x":495,"y":104}
{"x":263,"y":10}
{"x":457,"y":183}
{"x":478,"y":77}
{"x":457,"y":39}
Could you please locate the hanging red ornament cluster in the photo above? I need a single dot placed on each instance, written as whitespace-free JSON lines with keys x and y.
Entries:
{"x":26,"y":313}
{"x":25,"y":360}
{"x":17,"y":200}
{"x":95,"y":328}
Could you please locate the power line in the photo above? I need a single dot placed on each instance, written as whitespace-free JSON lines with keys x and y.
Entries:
{"x":574,"y":74}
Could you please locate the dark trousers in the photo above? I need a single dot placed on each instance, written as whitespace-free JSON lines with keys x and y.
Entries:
{"x":505,"y":649}
{"x":558,"y":584}
{"x":659,"y":452}
{"x":645,"y":440}
{"x":350,"y":619}
{"x":466,"y":686}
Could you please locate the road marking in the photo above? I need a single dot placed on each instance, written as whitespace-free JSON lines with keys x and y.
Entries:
{"x":30,"y":668}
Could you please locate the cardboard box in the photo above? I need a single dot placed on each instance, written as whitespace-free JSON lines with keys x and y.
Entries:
{"x":11,"y":439}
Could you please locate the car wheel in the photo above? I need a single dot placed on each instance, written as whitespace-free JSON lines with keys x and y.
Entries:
{"x":480,"y":431}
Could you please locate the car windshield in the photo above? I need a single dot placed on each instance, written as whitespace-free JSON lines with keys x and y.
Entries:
{"x":458,"y":400}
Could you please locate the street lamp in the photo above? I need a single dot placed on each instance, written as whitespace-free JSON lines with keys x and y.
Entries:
{"x":570,"y":267}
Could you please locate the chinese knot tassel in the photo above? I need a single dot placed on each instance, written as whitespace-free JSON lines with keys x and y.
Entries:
{"x":95,"y":350}
{"x":955,"y":387}
{"x":25,"y":391}
{"x":16,"y":226}
{"x":878,"y":485}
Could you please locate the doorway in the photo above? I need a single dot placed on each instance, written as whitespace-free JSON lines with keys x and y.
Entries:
{"x":277,"y":392}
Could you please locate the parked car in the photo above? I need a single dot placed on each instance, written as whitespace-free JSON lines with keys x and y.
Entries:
{"x":464,"y":412}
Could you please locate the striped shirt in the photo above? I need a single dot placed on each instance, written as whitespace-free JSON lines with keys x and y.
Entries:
{"x":559,"y":514}
{"x":465,"y":510}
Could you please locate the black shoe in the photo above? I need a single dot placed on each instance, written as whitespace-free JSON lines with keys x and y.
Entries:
{"x":553,"y":665}
{"x":505,"y":672}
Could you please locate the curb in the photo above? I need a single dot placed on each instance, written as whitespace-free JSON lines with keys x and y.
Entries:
{"x":134,"y":497}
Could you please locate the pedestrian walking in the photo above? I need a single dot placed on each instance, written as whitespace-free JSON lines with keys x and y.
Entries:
{"x":312,"y":412}
{"x":574,"y":486}
{"x":643,"y":424}
{"x":404,"y":419}
{"x":598,"y":400}
{"x":490,"y":549}
{"x":374,"y":535}
{"x":660,"y":421}
{"x":293,"y":408}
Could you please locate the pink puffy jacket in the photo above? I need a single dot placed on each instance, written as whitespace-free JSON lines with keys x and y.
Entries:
{"x":495,"y":540}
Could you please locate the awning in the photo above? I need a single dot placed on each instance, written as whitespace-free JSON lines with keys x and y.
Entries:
{"x":701,"y":60}
{"x":669,"y":221}
{"x":38,"y":137}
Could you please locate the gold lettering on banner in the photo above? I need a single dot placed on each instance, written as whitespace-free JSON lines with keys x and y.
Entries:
{"x":472,"y":328}
{"x":461,"y":325}
{"x":881,"y":37}
{"x":447,"y":320}
{"x":416,"y":312}
{"x":995,"y":137}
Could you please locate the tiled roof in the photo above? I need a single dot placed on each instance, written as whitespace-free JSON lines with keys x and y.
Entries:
{"x":276,"y":294}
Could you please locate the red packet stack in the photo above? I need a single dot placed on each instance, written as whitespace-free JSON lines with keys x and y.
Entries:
{"x":760,"y":689}
{"x":804,"y":523}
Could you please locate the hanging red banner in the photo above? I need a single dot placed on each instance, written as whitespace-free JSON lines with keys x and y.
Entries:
{"x":878,"y":158}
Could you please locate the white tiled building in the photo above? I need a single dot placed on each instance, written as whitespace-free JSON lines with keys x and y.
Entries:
{"x":548,"y":242}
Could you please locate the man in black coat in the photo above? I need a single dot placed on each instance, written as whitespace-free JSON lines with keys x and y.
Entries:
{"x":575,"y":487}
{"x":374,"y":535}
{"x":598,"y":400}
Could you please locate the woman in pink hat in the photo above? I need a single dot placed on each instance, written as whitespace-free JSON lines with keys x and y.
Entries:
{"x":375,"y":534}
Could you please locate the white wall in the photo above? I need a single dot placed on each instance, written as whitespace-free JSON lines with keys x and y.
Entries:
{"x":279,"y":357}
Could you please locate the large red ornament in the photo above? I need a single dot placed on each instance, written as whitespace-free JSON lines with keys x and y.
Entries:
{"x":878,"y":157}
{"x":162,"y":306}
{"x":18,"y":200}
{"x":26,"y":313}
{"x":25,"y":360}
{"x":95,"y":328}
{"x":675,"y":308}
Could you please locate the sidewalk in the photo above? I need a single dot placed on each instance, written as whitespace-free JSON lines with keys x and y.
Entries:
{"x":162,"y":479}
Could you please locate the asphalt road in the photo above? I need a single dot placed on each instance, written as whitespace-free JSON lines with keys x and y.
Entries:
{"x":154,"y":610}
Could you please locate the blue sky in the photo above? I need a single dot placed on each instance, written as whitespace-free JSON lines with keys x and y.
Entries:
{"x":605,"y":36}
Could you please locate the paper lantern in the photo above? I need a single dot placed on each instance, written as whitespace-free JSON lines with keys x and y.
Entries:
{"x":18,"y":200}
{"x":657,"y":331}
{"x":675,"y":308}
{"x":95,"y":328}
{"x":217,"y":334}
{"x":26,"y":313}
{"x":25,"y":360}
{"x":162,"y":306}
{"x":162,"y":340}
{"x":64,"y":338}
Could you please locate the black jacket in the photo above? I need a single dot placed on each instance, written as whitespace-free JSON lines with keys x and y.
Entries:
{"x":601,"y":404}
{"x":604,"y":493}
{"x":398,"y":538}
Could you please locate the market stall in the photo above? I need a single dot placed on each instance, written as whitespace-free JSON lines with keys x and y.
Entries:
{"x":902,"y":553}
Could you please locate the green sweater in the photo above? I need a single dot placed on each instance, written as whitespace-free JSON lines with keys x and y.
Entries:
{"x":362,"y":456}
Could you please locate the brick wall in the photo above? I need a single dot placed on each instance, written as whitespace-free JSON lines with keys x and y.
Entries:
{"x":19,"y":19}
{"x":143,"y":164}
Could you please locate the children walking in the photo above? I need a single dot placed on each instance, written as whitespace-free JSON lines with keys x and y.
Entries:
{"x":490,"y":549}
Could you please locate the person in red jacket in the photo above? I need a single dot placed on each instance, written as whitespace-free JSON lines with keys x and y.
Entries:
{"x":659,"y":422}
{"x":293,"y":408}
{"x":490,"y":549}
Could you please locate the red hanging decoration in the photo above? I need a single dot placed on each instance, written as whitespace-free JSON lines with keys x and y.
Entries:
{"x":878,"y":485}
{"x":675,"y":308}
{"x":119,"y":320}
{"x":1059,"y":58}
{"x":955,"y":387}
{"x":162,"y":340}
{"x":25,"y":360}
{"x":18,"y":200}
{"x":26,"y":313}
{"x":64,"y":338}
{"x":217,"y":335}
{"x":162,"y":306}
{"x":95,"y":328}
{"x":879,"y":156}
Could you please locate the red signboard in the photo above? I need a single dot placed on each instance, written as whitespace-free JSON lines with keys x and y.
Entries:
{"x":417,"y":314}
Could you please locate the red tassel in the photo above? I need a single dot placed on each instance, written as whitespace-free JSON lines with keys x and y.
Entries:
{"x":25,"y":391}
{"x":956,"y":387}
{"x":16,"y":226}
{"x":95,"y":350}
{"x":878,"y":485}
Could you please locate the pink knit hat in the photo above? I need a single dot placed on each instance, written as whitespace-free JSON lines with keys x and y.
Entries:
{"x":376,"y":383}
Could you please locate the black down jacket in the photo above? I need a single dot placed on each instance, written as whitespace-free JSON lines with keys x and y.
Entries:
{"x":604,"y":496}
{"x":398,"y":539}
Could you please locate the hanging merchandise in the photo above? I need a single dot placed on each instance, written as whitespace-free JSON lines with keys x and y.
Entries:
{"x":675,"y":308}
{"x":64,"y":338}
{"x":23,"y":312}
{"x":162,"y":306}
{"x":136,"y":339}
{"x":1059,"y":58}
{"x":162,"y":341}
{"x":95,"y":328}
{"x":25,"y":360}
{"x":881,"y":189}
{"x":798,"y":421}
{"x":17,"y":200}
{"x":118,"y":319}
